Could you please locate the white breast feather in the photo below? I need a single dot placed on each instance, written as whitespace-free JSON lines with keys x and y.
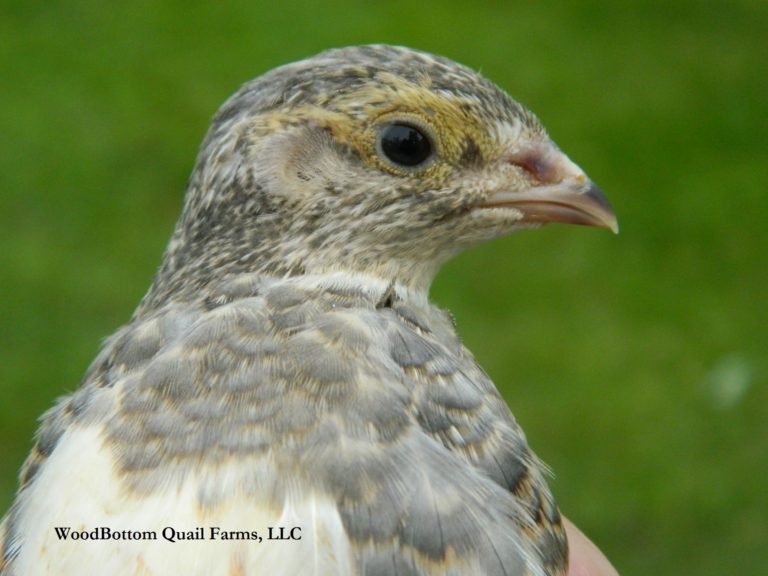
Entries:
{"x":78,"y":488}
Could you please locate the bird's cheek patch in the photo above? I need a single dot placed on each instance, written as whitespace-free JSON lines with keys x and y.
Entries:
{"x":300,"y":164}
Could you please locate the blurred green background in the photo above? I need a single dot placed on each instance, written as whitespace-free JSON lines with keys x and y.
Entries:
{"x":636,"y":363}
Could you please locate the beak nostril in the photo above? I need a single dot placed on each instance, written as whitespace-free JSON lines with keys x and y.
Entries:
{"x":536,"y":165}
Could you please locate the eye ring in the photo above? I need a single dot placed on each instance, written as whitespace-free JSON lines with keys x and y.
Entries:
{"x":405,"y":144}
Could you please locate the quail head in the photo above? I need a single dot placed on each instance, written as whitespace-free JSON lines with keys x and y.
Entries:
{"x":285,"y":400}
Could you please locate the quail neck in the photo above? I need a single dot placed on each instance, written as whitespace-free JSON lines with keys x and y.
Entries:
{"x":373,"y":161}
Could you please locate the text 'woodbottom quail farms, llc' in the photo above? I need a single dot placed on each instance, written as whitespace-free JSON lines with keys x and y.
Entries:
{"x":171,"y":534}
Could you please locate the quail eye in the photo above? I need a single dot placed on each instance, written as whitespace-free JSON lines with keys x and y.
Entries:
{"x":404,"y":145}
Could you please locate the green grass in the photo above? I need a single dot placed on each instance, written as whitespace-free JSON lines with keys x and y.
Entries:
{"x":636,"y":363}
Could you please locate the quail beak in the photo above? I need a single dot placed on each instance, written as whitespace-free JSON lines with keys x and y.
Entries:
{"x":560,"y":191}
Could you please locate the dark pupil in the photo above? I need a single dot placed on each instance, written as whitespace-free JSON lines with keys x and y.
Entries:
{"x":405,"y":145}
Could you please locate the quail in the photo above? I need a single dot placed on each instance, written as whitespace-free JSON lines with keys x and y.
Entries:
{"x":286,"y":400}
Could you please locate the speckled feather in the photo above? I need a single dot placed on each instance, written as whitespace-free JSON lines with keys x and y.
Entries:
{"x":286,"y":363}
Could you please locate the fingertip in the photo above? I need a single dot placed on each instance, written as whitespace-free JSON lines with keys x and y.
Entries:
{"x":584,"y":558}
